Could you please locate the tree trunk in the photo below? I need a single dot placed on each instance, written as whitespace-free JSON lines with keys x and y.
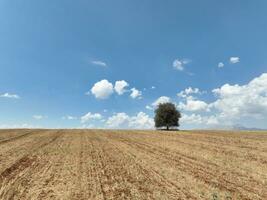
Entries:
{"x":167,"y":128}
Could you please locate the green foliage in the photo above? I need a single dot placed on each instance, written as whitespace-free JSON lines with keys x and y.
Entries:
{"x":166,"y":115}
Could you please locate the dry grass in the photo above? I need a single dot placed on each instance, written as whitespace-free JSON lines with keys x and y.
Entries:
{"x":94,"y":164}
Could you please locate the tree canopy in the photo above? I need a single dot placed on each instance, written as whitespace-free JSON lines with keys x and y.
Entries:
{"x":166,"y":115}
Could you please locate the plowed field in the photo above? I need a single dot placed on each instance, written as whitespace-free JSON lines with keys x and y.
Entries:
{"x":105,"y":164}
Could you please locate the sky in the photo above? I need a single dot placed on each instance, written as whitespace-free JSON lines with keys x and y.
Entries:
{"x":108,"y":64}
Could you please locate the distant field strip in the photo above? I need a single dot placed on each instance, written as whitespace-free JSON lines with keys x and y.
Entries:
{"x":14,"y":135}
{"x":110,"y":164}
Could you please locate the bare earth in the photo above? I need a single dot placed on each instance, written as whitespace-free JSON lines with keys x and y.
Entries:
{"x":98,"y":164}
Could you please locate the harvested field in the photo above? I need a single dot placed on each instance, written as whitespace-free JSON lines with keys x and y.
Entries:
{"x":105,"y":164}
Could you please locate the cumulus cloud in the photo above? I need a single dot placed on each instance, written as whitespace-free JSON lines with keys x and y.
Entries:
{"x":220,"y":65}
{"x":122,"y":120}
{"x":189,"y":91}
{"x":235,"y":101}
{"x":212,"y":120}
{"x":191,"y":119}
{"x":193,"y":105}
{"x":234,"y":60}
{"x":141,"y":121}
{"x":99,"y":63}
{"x":162,"y":99}
{"x":179,"y":64}
{"x":120,"y":86}
{"x":136,"y":93}
{"x":11,"y":96}
{"x":197,"y":119}
{"x":102,"y":89}
{"x":118,"y":120}
{"x":90,"y":116}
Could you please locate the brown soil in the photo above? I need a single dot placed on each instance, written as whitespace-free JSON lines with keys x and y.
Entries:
{"x":109,"y":164}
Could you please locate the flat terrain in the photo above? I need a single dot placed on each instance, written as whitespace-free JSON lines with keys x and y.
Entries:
{"x":96,"y":164}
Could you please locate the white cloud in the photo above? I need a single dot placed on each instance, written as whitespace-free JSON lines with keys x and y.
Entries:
{"x":153,"y":87}
{"x":102,"y":89}
{"x":212,"y":120}
{"x":141,"y":121}
{"x":191,"y":119}
{"x":162,"y":99}
{"x":99,"y":63}
{"x":11,"y":96}
{"x":188,"y":91}
{"x":179,"y":64}
{"x":15,"y":126}
{"x":122,"y":120}
{"x":192,"y":91}
{"x":118,"y":120}
{"x":234,"y":104}
{"x":234,"y":60}
{"x":90,"y":116}
{"x":235,"y":101}
{"x":69,"y":117}
{"x":120,"y":86}
{"x":136,"y":93}
{"x":38,"y":117}
{"x":149,"y":107}
{"x":197,"y":119}
{"x":220,"y":65}
{"x":89,"y":126}
{"x":193,"y":105}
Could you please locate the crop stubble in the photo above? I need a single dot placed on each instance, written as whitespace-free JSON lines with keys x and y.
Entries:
{"x":111,"y":164}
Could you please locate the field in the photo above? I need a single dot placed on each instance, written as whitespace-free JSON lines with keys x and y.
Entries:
{"x":105,"y":164}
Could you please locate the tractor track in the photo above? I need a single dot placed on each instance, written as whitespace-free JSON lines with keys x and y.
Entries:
{"x":199,"y":169}
{"x":10,"y":139}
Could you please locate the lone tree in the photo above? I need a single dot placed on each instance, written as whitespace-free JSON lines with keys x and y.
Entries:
{"x":166,"y":115}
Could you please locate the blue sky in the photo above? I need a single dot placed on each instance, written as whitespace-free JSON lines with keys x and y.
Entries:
{"x":208,"y":57}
